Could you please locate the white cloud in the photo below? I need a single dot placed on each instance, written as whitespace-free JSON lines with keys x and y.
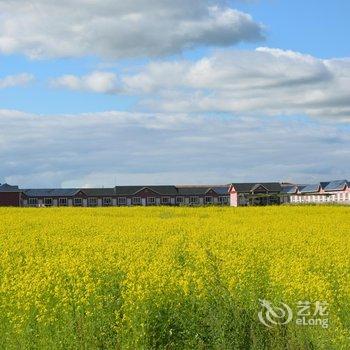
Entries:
{"x":137,"y":148}
{"x":99,"y":82}
{"x":16,"y":80}
{"x":119,"y":28}
{"x":265,"y":81}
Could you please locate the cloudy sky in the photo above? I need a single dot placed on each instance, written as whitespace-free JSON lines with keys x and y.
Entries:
{"x":105,"y":92}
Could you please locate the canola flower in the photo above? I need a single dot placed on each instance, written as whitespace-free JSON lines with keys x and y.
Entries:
{"x":171,"y":278}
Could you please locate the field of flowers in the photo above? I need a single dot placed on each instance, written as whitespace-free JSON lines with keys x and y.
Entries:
{"x":171,"y":278}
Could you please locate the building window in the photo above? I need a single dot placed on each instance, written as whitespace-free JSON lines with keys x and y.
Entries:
{"x":151,"y":200}
{"x":194,"y":200}
{"x":92,"y":202}
{"x":78,"y":202}
{"x":107,"y":201}
{"x":208,"y":200}
{"x":122,"y":201}
{"x":136,"y":200}
{"x":179,"y":200}
{"x":165,"y":200}
{"x":33,"y":202}
{"x":48,"y":202}
{"x":62,"y":202}
{"x":223,"y":199}
{"x":346,"y":196}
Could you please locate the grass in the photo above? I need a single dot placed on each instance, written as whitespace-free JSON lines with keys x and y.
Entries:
{"x":171,"y":278}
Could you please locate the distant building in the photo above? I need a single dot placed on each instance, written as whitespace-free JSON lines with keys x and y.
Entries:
{"x":324,"y":192}
{"x":235,"y":194}
{"x":10,"y":196}
{"x":264,"y":193}
{"x":116,"y":196}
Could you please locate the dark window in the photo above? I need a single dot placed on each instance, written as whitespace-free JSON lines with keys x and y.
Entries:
{"x":208,"y":200}
{"x":224,"y":199}
{"x":48,"y":202}
{"x":92,"y":202}
{"x":194,"y":200}
{"x":78,"y":202}
{"x":165,"y":200}
{"x":122,"y":201}
{"x":62,"y":202}
{"x":136,"y":200}
{"x":107,"y":201}
{"x":33,"y":202}
{"x":151,"y":200}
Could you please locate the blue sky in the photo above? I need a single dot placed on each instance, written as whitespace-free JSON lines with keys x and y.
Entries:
{"x":319,"y":28}
{"x":267,"y":65}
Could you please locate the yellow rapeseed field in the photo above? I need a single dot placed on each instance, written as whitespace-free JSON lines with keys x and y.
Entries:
{"x":171,"y":278}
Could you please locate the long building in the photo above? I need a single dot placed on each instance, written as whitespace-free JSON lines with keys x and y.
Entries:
{"x":115,"y":196}
{"x":337,"y":191}
{"x":234,"y":194}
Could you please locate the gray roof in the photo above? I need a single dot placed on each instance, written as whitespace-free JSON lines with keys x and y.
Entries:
{"x":132,"y":190}
{"x":221,"y":190}
{"x":336,"y":185}
{"x":97,"y":192}
{"x":309,"y":188}
{"x":250,"y":186}
{"x":289,"y":189}
{"x":324,"y":184}
{"x":53,"y":192}
{"x":124,"y":191}
{"x":274,"y":187}
{"x":9,"y":188}
{"x":201,"y":190}
{"x":192,"y":191}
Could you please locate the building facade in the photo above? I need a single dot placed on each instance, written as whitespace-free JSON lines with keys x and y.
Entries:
{"x":116,"y":196}
{"x":324,"y":192}
{"x":261,"y":194}
{"x":235,"y":194}
{"x":10,"y":196}
{"x":274,"y":193}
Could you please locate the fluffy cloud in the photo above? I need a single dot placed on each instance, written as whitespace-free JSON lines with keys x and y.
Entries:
{"x":265,"y":81}
{"x":119,"y":28}
{"x":99,"y":82}
{"x":15,"y":80}
{"x":137,"y":148}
